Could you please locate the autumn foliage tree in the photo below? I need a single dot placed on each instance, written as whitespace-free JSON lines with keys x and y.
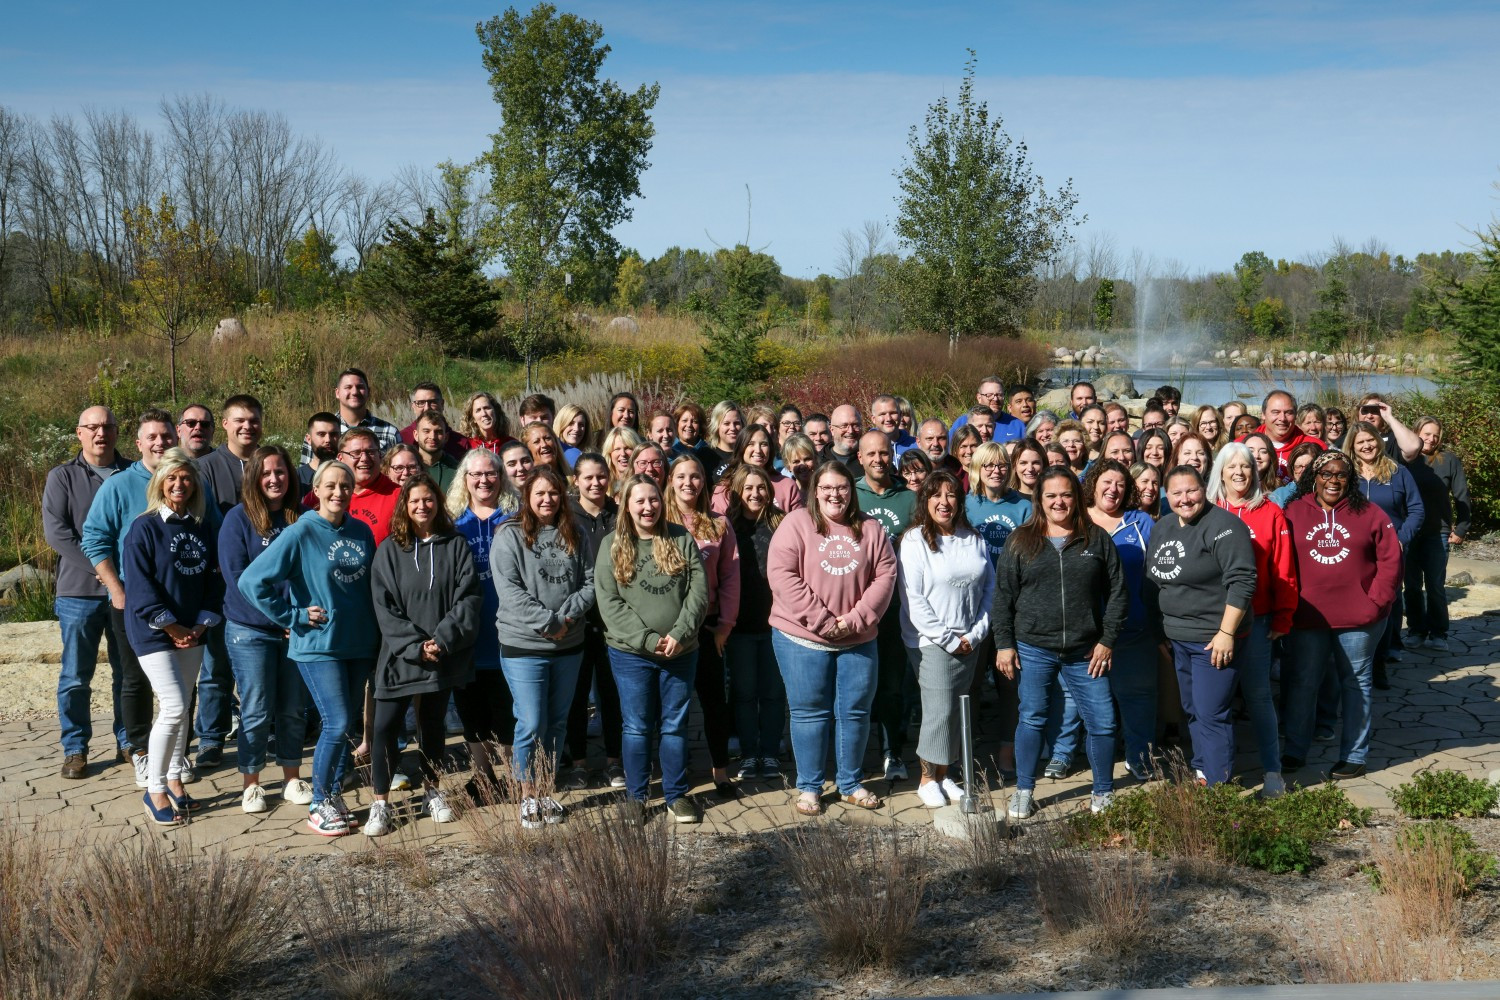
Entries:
{"x":177,"y":281}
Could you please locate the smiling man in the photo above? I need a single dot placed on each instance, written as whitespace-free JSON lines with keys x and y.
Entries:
{"x":224,"y":467}
{"x":352,"y":393}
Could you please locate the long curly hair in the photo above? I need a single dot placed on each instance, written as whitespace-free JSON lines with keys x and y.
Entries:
{"x":668,"y":557}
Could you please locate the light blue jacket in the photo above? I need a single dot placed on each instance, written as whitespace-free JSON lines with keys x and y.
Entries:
{"x":120,"y":500}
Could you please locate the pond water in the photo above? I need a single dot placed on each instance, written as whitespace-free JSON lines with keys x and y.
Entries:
{"x":1219,"y":385}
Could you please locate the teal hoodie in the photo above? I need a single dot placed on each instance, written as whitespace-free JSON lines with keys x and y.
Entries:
{"x":120,"y":500}
{"x":323,"y":566}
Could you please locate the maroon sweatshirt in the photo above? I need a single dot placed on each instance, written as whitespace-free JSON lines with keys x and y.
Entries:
{"x":1348,"y":563}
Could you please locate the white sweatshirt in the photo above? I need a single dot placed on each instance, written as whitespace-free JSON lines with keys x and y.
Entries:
{"x":945,"y":595}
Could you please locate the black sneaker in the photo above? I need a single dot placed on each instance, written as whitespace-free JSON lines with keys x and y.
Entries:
{"x":209,"y":757}
{"x":1343,"y":769}
{"x":685,"y":810}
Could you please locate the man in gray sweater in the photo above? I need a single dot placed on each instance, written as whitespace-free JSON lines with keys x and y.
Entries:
{"x":82,"y":604}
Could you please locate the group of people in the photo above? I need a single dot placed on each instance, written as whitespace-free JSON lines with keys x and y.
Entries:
{"x":827,"y":577}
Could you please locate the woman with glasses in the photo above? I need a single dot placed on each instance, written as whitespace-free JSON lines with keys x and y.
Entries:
{"x":1348,"y":568}
{"x":832,"y":572}
{"x":650,"y":460}
{"x":914,"y":467}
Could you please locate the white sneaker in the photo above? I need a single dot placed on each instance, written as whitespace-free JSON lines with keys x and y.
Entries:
{"x":297,"y":791}
{"x":1272,"y":787}
{"x":438,"y":808}
{"x":931,"y":794}
{"x":327,"y":821}
{"x":1100,"y":801}
{"x":951,"y":789}
{"x":552,"y":810}
{"x":895,"y":770}
{"x":531,"y":814}
{"x":1395,"y":656}
{"x":253,"y":799}
{"x":142,"y":763}
{"x":452,"y":724}
{"x":189,"y":774}
{"x":1437,"y":643}
{"x":1022,"y":804}
{"x":399,"y":782}
{"x":379,"y":824}
{"x":338,"y":803}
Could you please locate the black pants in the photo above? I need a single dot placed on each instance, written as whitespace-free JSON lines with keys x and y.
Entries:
{"x":135,"y":689}
{"x":389,"y":715}
{"x":709,"y":683}
{"x":486,"y":708}
{"x":891,"y":707}
{"x":594,"y":672}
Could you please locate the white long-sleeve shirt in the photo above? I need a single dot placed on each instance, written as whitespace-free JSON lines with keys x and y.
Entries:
{"x":945,"y":595}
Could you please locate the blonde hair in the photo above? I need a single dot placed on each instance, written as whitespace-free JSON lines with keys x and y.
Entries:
{"x":565,"y":416}
{"x":612,"y":439}
{"x":716,"y":417}
{"x":457,"y":500}
{"x":699,"y":522}
{"x":1384,"y":467}
{"x":987,"y":452}
{"x":668,"y":557}
{"x":175,"y":460}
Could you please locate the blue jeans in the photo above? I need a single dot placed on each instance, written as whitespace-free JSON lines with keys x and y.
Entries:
{"x":758,"y":692}
{"x":541,"y":687}
{"x":653,"y":693}
{"x":1040,"y":688}
{"x":269,"y":682}
{"x":1426,"y":576}
{"x":215,"y":691}
{"x":1207,"y":694}
{"x":82,"y":621}
{"x":1060,"y":739}
{"x":1253,"y":661}
{"x":829,"y":695}
{"x":1132,"y":680}
{"x":337,"y":688}
{"x":1308,"y":652}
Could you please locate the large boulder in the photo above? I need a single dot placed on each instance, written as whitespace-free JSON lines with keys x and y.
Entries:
{"x":623,"y":325}
{"x":1059,"y":401}
{"x":1115,"y":383}
{"x":23,"y":577}
{"x":227,"y":331}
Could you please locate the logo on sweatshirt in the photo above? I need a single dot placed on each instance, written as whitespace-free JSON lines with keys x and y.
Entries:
{"x":1326,"y":548}
{"x":189,"y":556}
{"x":840,"y":555}
{"x":1167,"y":565}
{"x":349,"y":560}
{"x":995,"y":529}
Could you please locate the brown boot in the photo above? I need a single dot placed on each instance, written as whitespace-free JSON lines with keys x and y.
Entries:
{"x":75,"y":765}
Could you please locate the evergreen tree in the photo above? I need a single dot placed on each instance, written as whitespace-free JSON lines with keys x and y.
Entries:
{"x":735,"y":325}
{"x":1472,"y":309}
{"x":431,"y":286}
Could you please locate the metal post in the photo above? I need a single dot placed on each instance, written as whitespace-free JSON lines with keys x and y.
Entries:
{"x":968,"y":805}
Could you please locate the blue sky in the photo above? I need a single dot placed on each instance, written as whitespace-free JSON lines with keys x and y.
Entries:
{"x":1192,"y":132}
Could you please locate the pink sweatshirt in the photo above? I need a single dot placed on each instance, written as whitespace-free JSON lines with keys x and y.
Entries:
{"x":786,"y":495}
{"x":721,"y":563}
{"x":816,"y":579}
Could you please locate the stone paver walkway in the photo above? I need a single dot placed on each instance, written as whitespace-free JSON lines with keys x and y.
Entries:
{"x":1443,"y":712}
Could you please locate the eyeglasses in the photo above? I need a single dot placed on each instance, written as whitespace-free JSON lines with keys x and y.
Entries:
{"x":185,"y":422}
{"x":365,"y":453}
{"x":988,"y":395}
{"x":1329,"y":474}
{"x":833,"y":491}
{"x":991,"y":466}
{"x":96,"y":428}
{"x":490,"y":474}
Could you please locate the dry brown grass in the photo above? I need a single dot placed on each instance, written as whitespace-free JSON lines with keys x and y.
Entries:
{"x":1358,"y":947}
{"x":863,"y":887}
{"x":588,"y":914}
{"x":1102,"y":896}
{"x":1422,"y":877}
{"x":986,"y":854}
{"x":36,"y":963}
{"x":357,"y":927}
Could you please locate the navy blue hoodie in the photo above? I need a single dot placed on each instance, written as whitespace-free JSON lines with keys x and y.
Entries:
{"x":239,"y":544}
{"x":171,"y":577}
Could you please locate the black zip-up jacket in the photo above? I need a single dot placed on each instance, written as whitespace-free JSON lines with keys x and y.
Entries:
{"x":754,"y":541}
{"x":1064,"y":600}
{"x":596,"y":528}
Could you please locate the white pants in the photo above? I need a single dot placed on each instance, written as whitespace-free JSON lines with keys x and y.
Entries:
{"x":172,"y":674}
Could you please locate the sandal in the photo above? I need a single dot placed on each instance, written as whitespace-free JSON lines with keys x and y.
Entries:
{"x":809,"y":804}
{"x":864,"y":798}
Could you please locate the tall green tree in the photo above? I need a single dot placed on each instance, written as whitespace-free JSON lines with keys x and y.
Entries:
{"x":429,"y":284}
{"x":1472,"y":309}
{"x":567,"y":157}
{"x":974,"y":220}
{"x":736,"y":324}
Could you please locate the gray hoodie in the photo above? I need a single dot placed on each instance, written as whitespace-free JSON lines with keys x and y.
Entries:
{"x":541,"y":588}
{"x":427,"y":591}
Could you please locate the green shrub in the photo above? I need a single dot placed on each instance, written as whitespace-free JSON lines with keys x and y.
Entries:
{"x":1445,"y":795}
{"x":1441,"y":839}
{"x":1220,"y":823}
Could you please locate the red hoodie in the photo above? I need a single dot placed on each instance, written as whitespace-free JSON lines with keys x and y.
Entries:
{"x":1348,"y":563}
{"x":1275,"y":563}
{"x":1284,"y":449}
{"x":816,"y":579}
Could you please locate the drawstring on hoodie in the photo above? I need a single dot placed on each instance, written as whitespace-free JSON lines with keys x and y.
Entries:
{"x":416,"y":550}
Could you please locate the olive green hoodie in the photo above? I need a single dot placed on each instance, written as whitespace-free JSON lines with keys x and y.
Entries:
{"x":652,"y":605}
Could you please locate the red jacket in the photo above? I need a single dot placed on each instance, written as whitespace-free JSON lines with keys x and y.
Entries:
{"x":1348,"y":563}
{"x":1275,"y":563}
{"x":1284,"y":449}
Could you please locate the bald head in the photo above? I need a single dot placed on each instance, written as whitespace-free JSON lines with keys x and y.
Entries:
{"x":97,"y":433}
{"x":875,"y":457}
{"x":845,"y":425}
